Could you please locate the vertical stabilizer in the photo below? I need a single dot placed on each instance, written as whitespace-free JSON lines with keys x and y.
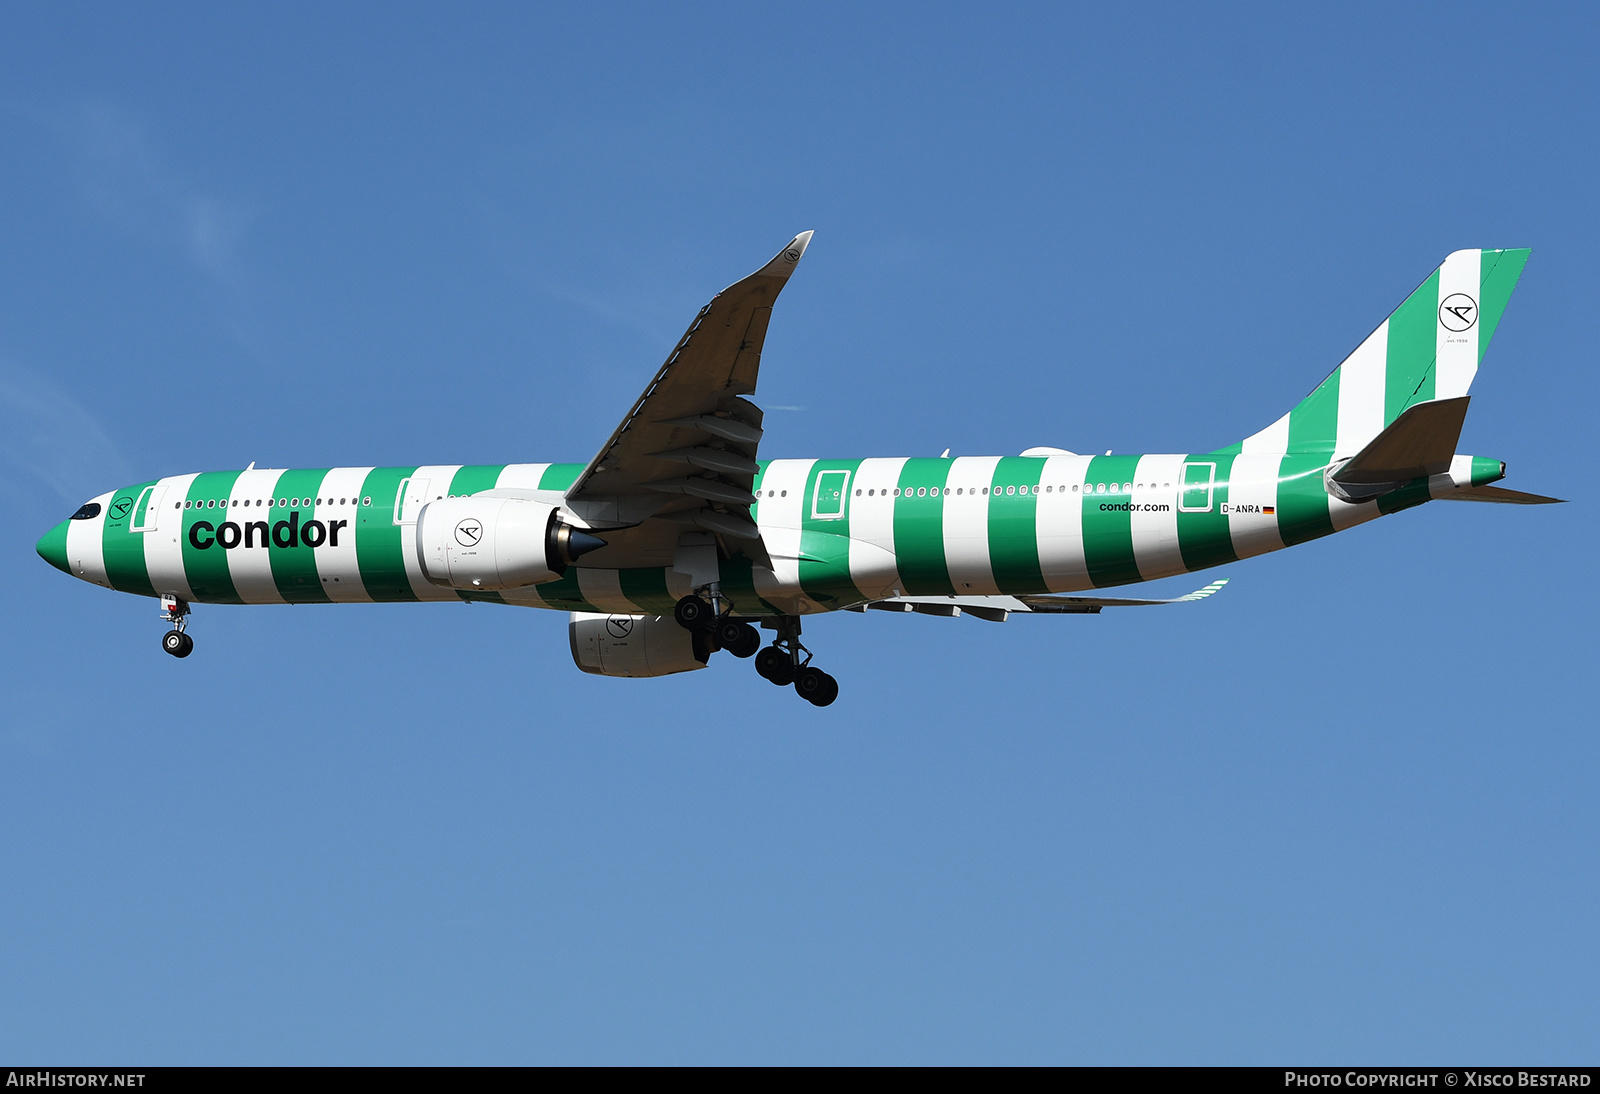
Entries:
{"x":1429,"y":348}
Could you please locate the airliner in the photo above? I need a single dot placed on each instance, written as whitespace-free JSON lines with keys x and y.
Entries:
{"x":676,"y":541}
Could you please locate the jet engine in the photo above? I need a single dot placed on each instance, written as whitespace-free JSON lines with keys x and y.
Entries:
{"x":632,"y":645}
{"x":474,"y":543}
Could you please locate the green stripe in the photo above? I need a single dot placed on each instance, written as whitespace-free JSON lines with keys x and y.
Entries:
{"x":1413,"y":345}
{"x":294,"y":569}
{"x":470,"y":480}
{"x":564,"y":593}
{"x":824,"y":540}
{"x":124,"y":550}
{"x":1013,"y":525}
{"x":1108,"y":534}
{"x":1314,"y":424}
{"x":143,"y":507}
{"x":559,"y":476}
{"x":379,"y":540}
{"x":1500,"y":271}
{"x":207,"y":568}
{"x":1302,"y":499}
{"x":52,"y":547}
{"x":1203,"y":538}
{"x":1407,"y":497}
{"x":647,"y":588}
{"x":919,"y":528}
{"x":1485,"y":471}
{"x":737,"y":580}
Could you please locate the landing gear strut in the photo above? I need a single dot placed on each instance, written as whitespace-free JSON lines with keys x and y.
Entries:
{"x":786,"y":661}
{"x":176,"y":641}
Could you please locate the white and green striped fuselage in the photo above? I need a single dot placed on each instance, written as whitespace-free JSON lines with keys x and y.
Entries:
{"x":697,"y":519}
{"x":839,"y":532}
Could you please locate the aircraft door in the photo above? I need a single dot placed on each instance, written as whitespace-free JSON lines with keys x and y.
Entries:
{"x":409,"y":500}
{"x":828,"y":496}
{"x":1198,"y":480}
{"x":147,"y":510}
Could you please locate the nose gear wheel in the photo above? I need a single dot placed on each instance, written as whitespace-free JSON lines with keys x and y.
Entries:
{"x":176,"y":641}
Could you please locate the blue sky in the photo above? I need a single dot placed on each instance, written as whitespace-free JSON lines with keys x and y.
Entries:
{"x":1345,"y":810}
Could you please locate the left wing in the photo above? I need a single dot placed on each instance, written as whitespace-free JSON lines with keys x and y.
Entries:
{"x":685,"y":454}
{"x":997,"y":609}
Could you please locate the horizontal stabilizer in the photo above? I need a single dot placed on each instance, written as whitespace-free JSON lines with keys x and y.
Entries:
{"x":1420,"y":442}
{"x":996,"y":609}
{"x":1501,"y":496}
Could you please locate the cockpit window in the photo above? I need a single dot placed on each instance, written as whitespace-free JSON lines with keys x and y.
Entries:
{"x":89,"y":511}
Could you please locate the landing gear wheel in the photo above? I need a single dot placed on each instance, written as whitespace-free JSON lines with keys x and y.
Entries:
{"x":739,"y":639}
{"x":815,"y":686}
{"x":693,"y":613}
{"x":775,"y":664}
{"x":177,"y":643}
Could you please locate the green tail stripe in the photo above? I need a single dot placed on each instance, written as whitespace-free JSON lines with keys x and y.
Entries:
{"x":1302,"y":499}
{"x":1314,"y":424}
{"x":1501,"y":271}
{"x":1405,"y":498}
{"x":1413,"y":348}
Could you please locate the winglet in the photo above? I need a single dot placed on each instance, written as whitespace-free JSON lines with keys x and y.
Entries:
{"x":787,"y":259}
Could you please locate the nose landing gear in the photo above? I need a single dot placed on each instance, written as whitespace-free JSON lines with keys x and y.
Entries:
{"x":176,"y":641}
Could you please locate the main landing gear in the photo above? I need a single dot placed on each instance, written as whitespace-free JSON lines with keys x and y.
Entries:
{"x":176,"y":641}
{"x":784,"y":662}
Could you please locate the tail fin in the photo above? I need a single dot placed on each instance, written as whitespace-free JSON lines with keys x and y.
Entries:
{"x":1429,"y":348}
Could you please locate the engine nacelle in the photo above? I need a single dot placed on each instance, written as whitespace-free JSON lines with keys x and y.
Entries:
{"x":474,"y":543}
{"x":631,"y":645}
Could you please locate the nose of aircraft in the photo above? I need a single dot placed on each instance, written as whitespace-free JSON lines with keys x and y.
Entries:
{"x":52,"y":547}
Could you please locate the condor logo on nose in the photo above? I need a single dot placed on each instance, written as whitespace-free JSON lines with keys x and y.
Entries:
{"x":285,"y":533}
